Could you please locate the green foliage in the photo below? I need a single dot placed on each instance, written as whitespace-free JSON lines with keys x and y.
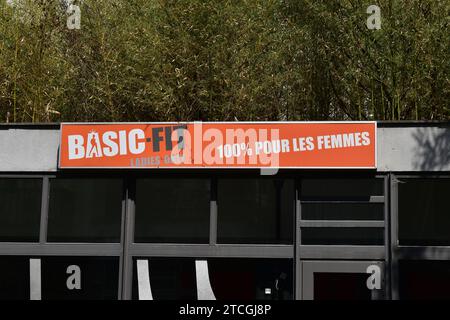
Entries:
{"x":167,"y":60}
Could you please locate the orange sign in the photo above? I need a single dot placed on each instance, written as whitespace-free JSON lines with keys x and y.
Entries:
{"x":219,"y":145}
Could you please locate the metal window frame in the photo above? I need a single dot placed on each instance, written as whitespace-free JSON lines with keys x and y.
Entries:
{"x":401,"y":252}
{"x":342,"y":266}
{"x":213,"y":249}
{"x":44,"y":203}
{"x":342,"y":224}
{"x":43,"y":248}
{"x":342,"y":250}
{"x":347,"y":253}
{"x":126,"y":250}
{"x":391,"y":253}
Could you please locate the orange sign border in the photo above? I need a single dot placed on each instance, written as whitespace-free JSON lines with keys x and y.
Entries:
{"x":62,"y":124}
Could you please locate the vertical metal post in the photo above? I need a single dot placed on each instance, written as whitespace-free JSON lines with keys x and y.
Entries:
{"x":394,"y":237}
{"x":44,"y":210}
{"x":122,"y":236}
{"x":128,"y":240}
{"x":387,"y":238}
{"x":213,"y":213}
{"x":297,"y":241}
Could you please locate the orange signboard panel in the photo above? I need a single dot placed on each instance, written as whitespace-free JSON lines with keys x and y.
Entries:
{"x":219,"y":145}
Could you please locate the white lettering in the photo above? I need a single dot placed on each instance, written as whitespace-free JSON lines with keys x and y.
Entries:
{"x":76,"y":148}
{"x":112,"y":149}
{"x":136,"y":147}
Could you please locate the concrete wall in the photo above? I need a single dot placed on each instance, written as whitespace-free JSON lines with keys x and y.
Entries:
{"x":399,"y":149}
{"x":414,"y":149}
{"x":28,"y":150}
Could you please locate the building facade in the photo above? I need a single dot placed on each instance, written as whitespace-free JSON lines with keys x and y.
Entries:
{"x":226,"y":233}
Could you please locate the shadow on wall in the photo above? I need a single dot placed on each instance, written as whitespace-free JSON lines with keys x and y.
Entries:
{"x":432,"y":151}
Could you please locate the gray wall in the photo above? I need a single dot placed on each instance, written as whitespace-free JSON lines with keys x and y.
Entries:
{"x":28,"y":150}
{"x":414,"y":149}
{"x":399,"y":149}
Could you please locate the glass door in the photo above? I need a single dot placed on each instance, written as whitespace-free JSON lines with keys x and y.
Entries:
{"x":342,"y":280}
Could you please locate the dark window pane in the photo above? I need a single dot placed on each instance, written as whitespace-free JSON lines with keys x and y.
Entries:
{"x":238,"y":279}
{"x":80,"y":278}
{"x":351,"y":189}
{"x":342,"y":236}
{"x":14,"y":278}
{"x":424,"y":279}
{"x":62,"y":278}
{"x":85,"y":210}
{"x":172,"y":210}
{"x":251,"y":279}
{"x":341,"y":286}
{"x":423,"y":206}
{"x":342,"y":211}
{"x":20,"y":209}
{"x":170,"y":278}
{"x":255,"y":211}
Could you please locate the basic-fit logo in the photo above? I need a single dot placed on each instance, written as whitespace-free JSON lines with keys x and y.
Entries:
{"x":122,"y":142}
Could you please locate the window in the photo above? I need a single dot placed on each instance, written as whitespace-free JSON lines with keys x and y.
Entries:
{"x":423,"y":212}
{"x":60,"y":278}
{"x":251,"y":279}
{"x":341,"y":199}
{"x":14,"y":278}
{"x":424,"y":279}
{"x":85,"y":210}
{"x":358,"y":200}
{"x":256,"y":211}
{"x":20,"y":209}
{"x":168,"y":278}
{"x":342,"y":211}
{"x":225,"y":278}
{"x":341,"y":189}
{"x":342,"y":236}
{"x":172,"y":210}
{"x":341,"y":286}
{"x":80,"y":278}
